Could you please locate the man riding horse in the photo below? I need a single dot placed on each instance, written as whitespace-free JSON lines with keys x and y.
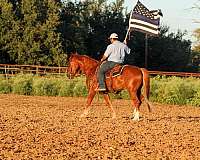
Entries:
{"x":114,"y":54}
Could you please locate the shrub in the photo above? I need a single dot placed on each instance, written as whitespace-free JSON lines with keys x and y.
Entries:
{"x":5,"y":85}
{"x":80,"y":88}
{"x":170,"y":90}
{"x":173,"y":90}
{"x":195,"y":99}
{"x":45,"y":86}
{"x":22,"y":84}
{"x":66,"y":87}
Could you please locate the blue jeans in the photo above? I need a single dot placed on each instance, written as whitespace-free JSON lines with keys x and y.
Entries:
{"x":105,"y":66}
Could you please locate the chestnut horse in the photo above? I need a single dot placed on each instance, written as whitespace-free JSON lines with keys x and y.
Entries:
{"x":132,"y":79}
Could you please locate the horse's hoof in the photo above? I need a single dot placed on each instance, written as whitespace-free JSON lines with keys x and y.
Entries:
{"x":131,"y":117}
{"x":114,"y":117}
{"x":82,"y":116}
{"x":135,"y":119}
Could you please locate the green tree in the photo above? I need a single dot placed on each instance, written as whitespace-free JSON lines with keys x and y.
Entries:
{"x":7,"y":23}
{"x":35,"y":38}
{"x":73,"y":29}
{"x":168,"y":52}
{"x":87,"y":25}
{"x":197,"y":36}
{"x":110,"y":19}
{"x":41,"y":31}
{"x":195,"y":58}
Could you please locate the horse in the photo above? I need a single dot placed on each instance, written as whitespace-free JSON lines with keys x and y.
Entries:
{"x":132,"y":79}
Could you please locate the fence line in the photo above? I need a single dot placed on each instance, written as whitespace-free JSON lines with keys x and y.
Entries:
{"x":180,"y":74}
{"x":11,"y":70}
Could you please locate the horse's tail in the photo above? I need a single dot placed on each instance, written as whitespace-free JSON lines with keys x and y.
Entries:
{"x":146,"y":87}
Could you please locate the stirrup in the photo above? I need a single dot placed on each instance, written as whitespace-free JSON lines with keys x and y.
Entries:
{"x":100,"y":89}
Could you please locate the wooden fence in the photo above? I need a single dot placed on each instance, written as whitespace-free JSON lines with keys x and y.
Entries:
{"x":11,"y":70}
{"x":179,"y":74}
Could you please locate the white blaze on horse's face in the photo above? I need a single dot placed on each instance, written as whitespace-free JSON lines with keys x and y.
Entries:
{"x":73,"y":69}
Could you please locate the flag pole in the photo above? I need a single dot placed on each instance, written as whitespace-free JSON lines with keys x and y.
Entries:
{"x":125,"y":40}
{"x":146,"y":50}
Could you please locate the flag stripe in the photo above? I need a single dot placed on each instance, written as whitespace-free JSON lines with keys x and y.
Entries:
{"x":144,"y":31}
{"x":145,"y":19}
{"x":142,"y":28}
{"x":148,"y":25}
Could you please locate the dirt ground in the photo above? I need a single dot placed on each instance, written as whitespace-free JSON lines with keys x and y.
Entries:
{"x":50,"y":128}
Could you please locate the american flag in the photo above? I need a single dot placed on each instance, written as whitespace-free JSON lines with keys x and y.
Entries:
{"x":143,"y":20}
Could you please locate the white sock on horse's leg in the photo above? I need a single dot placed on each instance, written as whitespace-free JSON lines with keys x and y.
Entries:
{"x":136,"y":116}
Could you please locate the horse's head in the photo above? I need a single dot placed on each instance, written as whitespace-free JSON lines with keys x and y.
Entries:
{"x":81,"y":64}
{"x":74,"y":66}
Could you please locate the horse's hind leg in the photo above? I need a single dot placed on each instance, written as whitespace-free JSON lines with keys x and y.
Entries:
{"x":135,"y":101}
{"x":146,"y":101}
{"x":90,"y":97}
{"x":108,"y":102}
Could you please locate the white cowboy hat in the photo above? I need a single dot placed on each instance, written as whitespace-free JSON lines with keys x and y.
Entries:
{"x":113,"y":35}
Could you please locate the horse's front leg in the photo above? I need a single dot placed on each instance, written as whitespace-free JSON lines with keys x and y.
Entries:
{"x":90,"y":97}
{"x":108,"y":102}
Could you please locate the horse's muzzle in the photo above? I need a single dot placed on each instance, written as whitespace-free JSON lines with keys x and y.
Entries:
{"x":70,"y":76}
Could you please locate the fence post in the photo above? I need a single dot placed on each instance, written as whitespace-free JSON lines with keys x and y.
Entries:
{"x":6,"y":72}
{"x":146,"y":51}
{"x":37,"y":70}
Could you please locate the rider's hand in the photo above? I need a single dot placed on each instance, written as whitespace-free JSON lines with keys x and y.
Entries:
{"x":125,"y":42}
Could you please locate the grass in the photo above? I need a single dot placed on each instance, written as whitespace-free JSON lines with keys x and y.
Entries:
{"x":166,"y":90}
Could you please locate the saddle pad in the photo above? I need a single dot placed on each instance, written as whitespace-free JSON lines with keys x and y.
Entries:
{"x":116,"y":71}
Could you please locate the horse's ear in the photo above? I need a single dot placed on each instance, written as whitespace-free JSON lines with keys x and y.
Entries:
{"x":68,"y":56}
{"x":71,"y":54}
{"x":74,"y":52}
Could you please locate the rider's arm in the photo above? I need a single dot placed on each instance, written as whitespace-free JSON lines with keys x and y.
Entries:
{"x":127,"y":49}
{"x":103,"y":58}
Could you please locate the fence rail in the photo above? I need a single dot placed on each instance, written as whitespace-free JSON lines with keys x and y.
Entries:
{"x":180,"y":74}
{"x":11,"y":70}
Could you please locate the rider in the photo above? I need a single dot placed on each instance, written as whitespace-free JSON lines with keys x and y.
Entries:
{"x":114,"y":54}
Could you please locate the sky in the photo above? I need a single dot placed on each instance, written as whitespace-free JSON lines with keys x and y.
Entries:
{"x":177,"y":14}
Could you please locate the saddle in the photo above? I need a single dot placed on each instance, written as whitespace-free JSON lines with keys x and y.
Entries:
{"x":114,"y":72}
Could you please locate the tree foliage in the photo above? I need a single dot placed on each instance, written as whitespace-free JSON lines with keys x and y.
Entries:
{"x":195,"y":57}
{"x":44,"y":32}
{"x":30,"y":34}
{"x":7,"y":25}
{"x":173,"y":53}
{"x":197,"y":36}
{"x":87,"y":25}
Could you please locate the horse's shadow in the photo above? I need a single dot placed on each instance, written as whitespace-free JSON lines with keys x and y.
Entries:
{"x":189,"y":118}
{"x":178,"y":118}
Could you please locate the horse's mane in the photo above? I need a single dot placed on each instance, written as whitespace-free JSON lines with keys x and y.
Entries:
{"x":85,"y":56}
{"x":92,"y":59}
